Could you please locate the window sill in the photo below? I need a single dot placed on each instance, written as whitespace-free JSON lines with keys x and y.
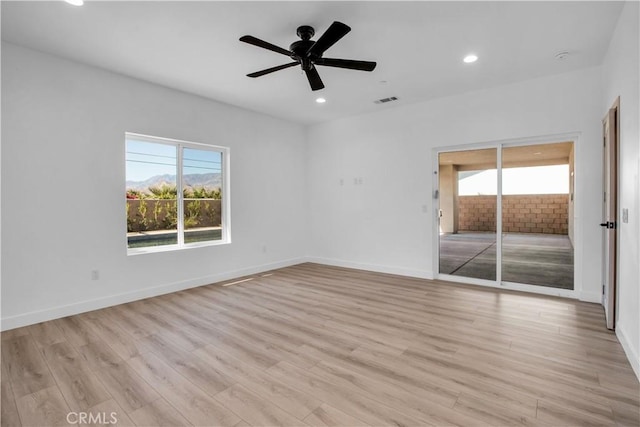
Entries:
{"x":175,"y":248}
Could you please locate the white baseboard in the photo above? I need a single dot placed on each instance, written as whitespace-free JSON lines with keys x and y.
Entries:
{"x":421,"y":274}
{"x":33,"y":317}
{"x":632,"y":353}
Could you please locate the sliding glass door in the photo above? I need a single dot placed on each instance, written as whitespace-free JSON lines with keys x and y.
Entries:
{"x":524,"y":194}
{"x":467,"y":213}
{"x":536,"y":202}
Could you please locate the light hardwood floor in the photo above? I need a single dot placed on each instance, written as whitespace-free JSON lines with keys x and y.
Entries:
{"x":316,"y":345}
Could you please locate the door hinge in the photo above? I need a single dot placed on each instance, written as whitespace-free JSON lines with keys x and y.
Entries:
{"x":602,"y":289}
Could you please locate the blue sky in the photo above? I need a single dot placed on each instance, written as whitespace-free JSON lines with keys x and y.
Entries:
{"x":147,"y":159}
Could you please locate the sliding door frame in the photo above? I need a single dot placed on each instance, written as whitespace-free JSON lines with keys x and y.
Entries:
{"x":498,"y":283}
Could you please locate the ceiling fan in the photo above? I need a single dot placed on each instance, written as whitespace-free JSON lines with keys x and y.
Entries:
{"x":308,"y":53}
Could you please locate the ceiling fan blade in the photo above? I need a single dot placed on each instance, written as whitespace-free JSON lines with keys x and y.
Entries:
{"x":346,"y":63}
{"x":335,"y":32}
{"x":272,"y":69}
{"x":265,"y":45}
{"x":314,"y":78}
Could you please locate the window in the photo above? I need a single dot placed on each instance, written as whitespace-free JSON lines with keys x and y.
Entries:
{"x":176,"y":194}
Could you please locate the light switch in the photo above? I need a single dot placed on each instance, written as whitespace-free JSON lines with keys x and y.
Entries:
{"x":625,"y":215}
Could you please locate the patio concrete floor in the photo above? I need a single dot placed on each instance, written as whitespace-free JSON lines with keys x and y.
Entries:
{"x":535,"y":259}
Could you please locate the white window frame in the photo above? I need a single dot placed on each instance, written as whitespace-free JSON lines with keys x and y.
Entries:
{"x":225,"y":188}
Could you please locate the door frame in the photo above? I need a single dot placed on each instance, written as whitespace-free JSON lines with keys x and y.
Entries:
{"x":610,"y":214}
{"x":574,"y":293}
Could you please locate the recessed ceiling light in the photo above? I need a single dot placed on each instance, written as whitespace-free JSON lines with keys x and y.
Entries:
{"x":561,"y":55}
{"x":75,"y":2}
{"x":470,"y":58}
{"x":537,"y":153}
{"x":321,"y":100}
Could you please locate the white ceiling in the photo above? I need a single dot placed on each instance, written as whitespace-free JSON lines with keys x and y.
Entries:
{"x":194,"y":47}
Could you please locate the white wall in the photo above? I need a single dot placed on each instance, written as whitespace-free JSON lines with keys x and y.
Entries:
{"x":63,"y":180}
{"x":383,"y":225}
{"x":620,"y":78}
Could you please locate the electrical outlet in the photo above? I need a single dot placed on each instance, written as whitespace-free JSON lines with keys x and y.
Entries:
{"x":95,"y":275}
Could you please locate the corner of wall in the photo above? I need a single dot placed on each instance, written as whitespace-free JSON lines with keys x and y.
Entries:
{"x":307,"y":187}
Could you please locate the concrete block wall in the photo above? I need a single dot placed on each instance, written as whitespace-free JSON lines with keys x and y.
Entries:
{"x":537,"y":213}
{"x":477,"y":213}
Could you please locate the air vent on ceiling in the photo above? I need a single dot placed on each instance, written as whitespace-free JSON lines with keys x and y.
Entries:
{"x":385,"y":100}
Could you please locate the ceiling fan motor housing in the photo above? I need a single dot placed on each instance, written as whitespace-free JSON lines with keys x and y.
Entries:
{"x":301,"y":47}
